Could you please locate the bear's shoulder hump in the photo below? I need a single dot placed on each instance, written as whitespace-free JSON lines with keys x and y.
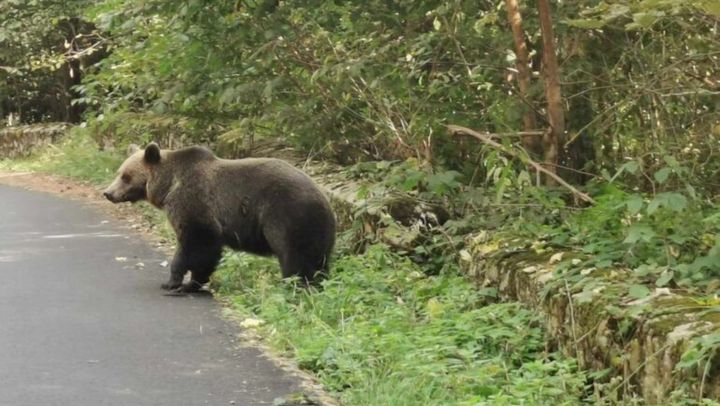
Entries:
{"x":194,"y":153}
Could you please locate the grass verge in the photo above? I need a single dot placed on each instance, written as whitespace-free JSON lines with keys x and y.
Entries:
{"x":381,"y":332}
{"x":76,"y":157}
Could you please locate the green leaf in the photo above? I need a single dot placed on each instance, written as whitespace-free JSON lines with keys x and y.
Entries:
{"x":662,"y":175}
{"x":605,"y":174}
{"x":634,"y":204}
{"x":487,"y":20}
{"x":654,"y":205}
{"x":363,"y":191}
{"x":645,"y":19}
{"x":664,"y":278}
{"x":675,"y":201}
{"x":605,"y":263}
{"x":630,"y":167}
{"x":645,"y":270}
{"x":500,"y":190}
{"x":638,"y":291}
{"x":616,"y":10}
{"x":443,"y":182}
{"x":671,"y":161}
{"x":639,"y":232}
{"x":412,"y":181}
{"x":671,"y":200}
{"x":228,"y":95}
{"x":690,"y":358}
{"x":586,"y":296}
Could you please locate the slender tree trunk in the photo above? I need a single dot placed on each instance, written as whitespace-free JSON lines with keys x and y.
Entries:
{"x":551,"y":75}
{"x":531,"y":143}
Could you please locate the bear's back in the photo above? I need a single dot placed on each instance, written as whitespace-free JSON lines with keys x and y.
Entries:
{"x":265,"y":184}
{"x":263,"y":173}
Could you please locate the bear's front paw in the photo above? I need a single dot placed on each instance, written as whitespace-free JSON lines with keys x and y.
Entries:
{"x":170,"y":285}
{"x":184,"y":289}
{"x":190,"y":287}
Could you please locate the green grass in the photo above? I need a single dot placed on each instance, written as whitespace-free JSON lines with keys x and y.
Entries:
{"x":77,"y":157}
{"x":381,"y":332}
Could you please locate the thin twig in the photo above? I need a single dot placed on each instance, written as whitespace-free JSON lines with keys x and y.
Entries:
{"x":450,"y":241}
{"x":584,"y":336}
{"x":456,"y":129}
{"x":572,"y":316}
{"x":706,"y":370}
{"x":573,"y":170}
{"x":641,"y":366}
{"x":514,"y":134}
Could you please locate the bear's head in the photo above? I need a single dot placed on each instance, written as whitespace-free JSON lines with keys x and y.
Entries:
{"x":130,"y":185}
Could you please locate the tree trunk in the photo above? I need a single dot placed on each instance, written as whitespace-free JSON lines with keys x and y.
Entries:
{"x":531,"y":143}
{"x":551,"y":75}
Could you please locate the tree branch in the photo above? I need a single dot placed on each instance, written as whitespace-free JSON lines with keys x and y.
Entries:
{"x":486,"y":139}
{"x":515,"y":134}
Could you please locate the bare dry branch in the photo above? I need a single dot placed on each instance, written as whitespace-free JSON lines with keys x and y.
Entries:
{"x":486,"y":139}
{"x":515,"y":134}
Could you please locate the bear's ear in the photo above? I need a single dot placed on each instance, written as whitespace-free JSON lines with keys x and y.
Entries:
{"x":152,"y":154}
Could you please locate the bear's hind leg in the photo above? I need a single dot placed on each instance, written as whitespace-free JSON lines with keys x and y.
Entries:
{"x":298,"y":264}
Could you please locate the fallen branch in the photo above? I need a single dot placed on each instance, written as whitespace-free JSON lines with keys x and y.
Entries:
{"x":487,"y":139}
{"x":515,"y":134}
{"x":9,"y":69}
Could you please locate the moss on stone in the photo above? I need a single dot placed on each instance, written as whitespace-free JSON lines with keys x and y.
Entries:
{"x":639,"y":340}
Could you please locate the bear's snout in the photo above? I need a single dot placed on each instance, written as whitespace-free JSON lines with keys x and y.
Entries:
{"x":108,"y":196}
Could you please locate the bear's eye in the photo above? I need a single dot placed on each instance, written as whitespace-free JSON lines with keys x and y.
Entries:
{"x":126,"y":178}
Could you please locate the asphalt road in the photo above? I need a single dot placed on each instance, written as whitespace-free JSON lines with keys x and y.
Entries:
{"x":78,"y":327}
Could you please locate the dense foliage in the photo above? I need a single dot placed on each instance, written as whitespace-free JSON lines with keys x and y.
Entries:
{"x":45,"y":48}
{"x":380,"y":79}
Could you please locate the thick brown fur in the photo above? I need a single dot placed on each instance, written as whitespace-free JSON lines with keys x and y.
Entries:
{"x":264,"y":206}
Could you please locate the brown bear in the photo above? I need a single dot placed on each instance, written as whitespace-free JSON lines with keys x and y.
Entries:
{"x":264,"y":206}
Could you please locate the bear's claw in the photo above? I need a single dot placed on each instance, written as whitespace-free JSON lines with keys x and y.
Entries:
{"x":170,"y":286}
{"x":182,"y":290}
{"x":192,"y":286}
